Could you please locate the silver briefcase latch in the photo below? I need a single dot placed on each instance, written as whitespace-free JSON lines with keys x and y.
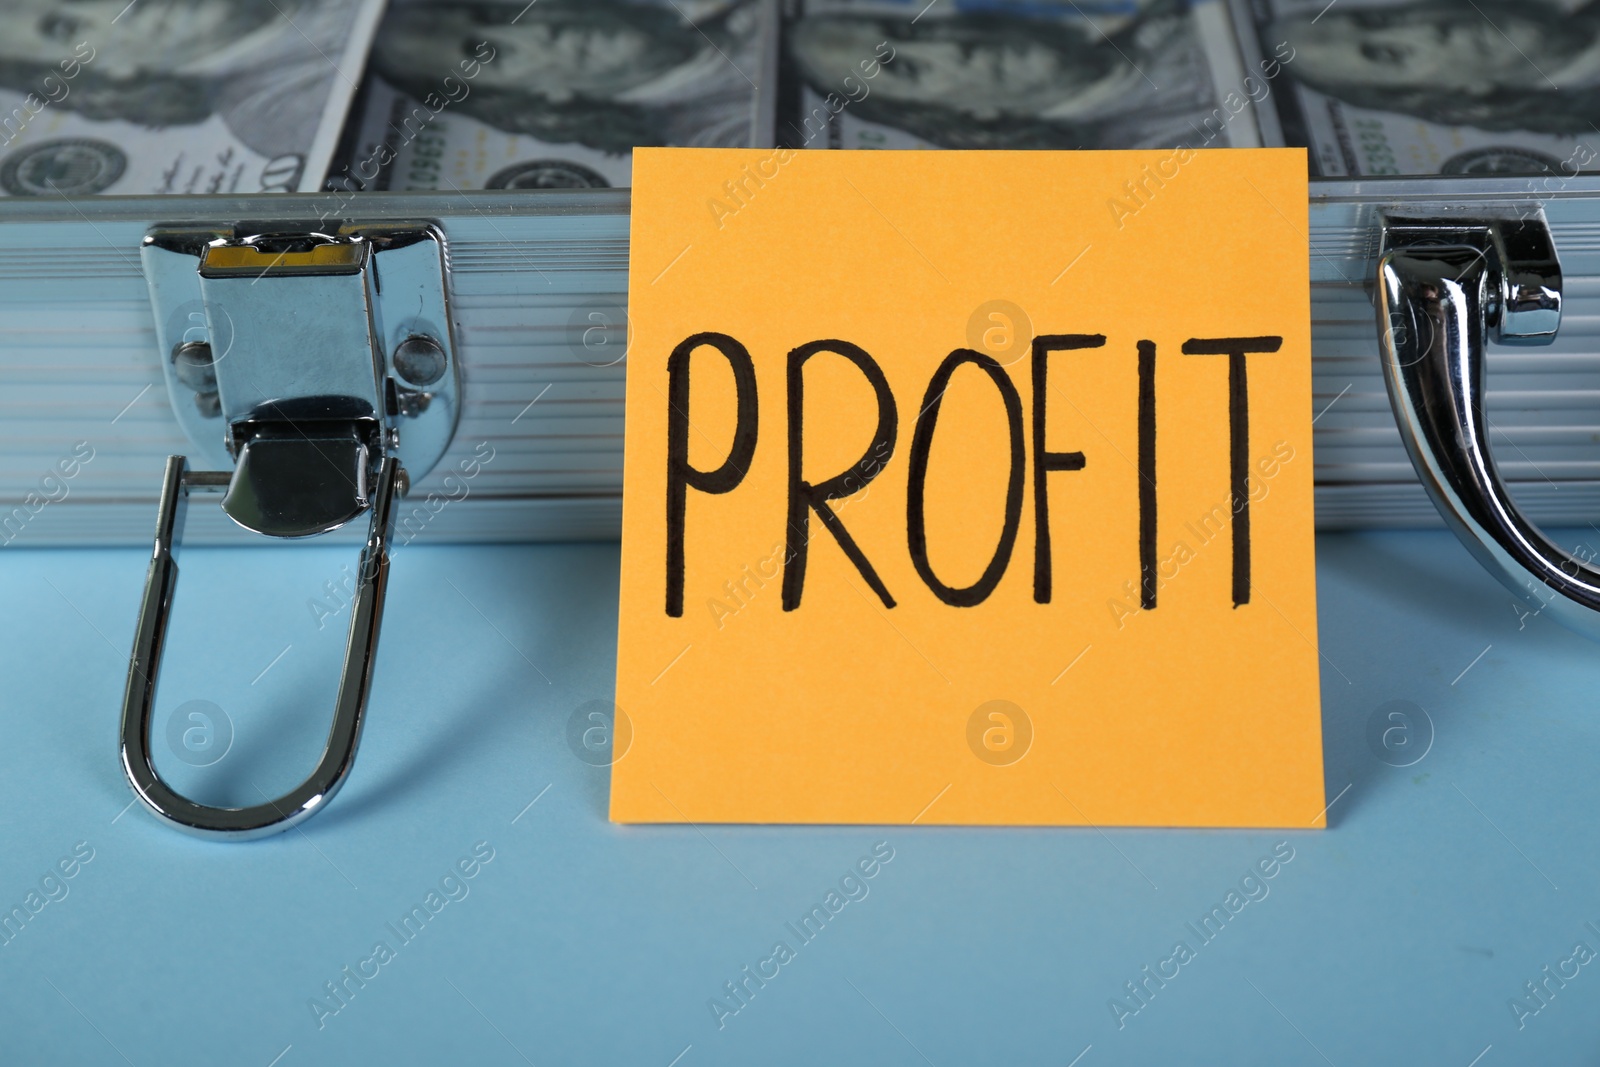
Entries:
{"x":298,"y":360}
{"x":311,"y":371}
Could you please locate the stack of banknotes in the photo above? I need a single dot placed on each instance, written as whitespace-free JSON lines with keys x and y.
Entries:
{"x":248,"y":96}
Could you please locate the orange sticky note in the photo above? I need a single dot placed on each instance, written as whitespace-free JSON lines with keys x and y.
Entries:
{"x":969,"y":487}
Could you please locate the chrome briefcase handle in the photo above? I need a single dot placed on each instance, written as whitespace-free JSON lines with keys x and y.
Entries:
{"x":1443,"y":286}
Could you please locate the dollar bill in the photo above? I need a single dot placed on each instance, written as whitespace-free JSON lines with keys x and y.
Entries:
{"x":175,"y":96}
{"x":1012,"y":74}
{"x":557,"y":93}
{"x":1431,"y":86}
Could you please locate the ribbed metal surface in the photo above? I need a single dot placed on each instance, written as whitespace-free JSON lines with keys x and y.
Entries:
{"x":78,"y":363}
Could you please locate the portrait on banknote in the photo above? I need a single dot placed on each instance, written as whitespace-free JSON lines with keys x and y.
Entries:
{"x":607,"y":74}
{"x":175,"y":95}
{"x":1438,"y":86}
{"x":1497,"y":66}
{"x":996,"y":75}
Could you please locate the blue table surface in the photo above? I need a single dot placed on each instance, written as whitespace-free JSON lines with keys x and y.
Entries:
{"x":1403,"y":933}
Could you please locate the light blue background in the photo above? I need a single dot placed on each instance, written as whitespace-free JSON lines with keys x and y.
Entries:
{"x":1398,"y":935}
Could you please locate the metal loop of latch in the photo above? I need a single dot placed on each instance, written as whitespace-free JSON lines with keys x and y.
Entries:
{"x":320,"y":368}
{"x":338,"y":755}
{"x":1444,"y":286}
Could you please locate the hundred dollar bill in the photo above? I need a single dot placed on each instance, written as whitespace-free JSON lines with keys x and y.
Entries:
{"x":175,"y":96}
{"x":555,"y":93}
{"x":1432,"y":86}
{"x":1012,"y":74}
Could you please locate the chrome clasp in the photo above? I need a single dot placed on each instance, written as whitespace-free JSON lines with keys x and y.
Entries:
{"x":313,"y":370}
